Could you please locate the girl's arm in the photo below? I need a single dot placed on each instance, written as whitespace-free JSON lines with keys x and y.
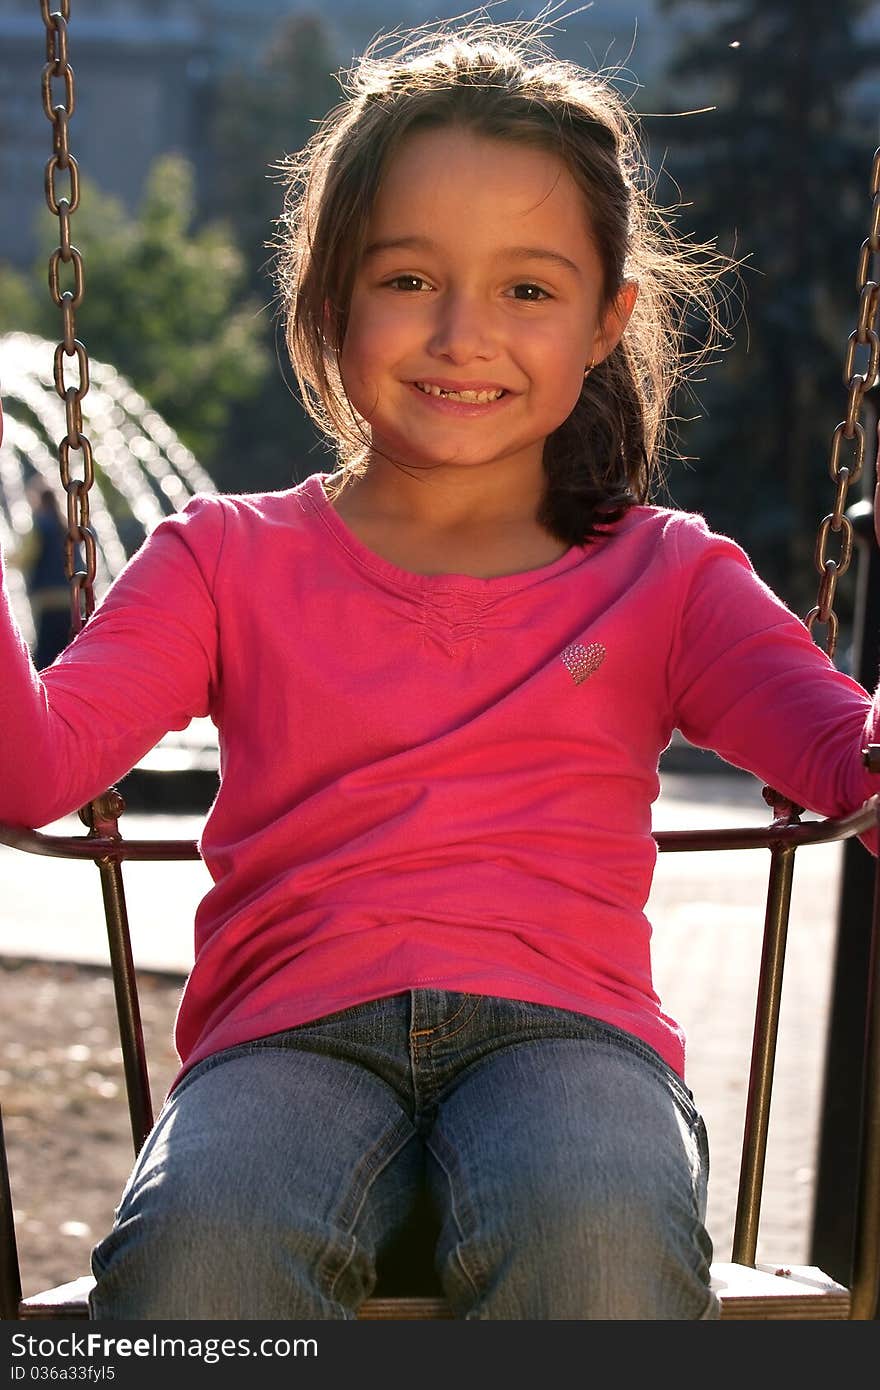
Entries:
{"x":145,"y":662}
{"x":748,"y":681}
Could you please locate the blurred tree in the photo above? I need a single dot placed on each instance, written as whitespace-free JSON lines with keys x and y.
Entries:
{"x":258,"y":116}
{"x":20,"y":307}
{"x":778,"y":169}
{"x":163,"y":303}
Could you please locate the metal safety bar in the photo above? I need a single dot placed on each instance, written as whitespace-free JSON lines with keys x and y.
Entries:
{"x":106,"y":847}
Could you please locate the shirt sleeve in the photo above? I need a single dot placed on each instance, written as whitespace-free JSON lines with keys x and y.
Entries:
{"x":145,"y":662}
{"x":748,"y":681}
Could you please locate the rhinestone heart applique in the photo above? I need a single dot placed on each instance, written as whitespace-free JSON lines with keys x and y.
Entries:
{"x":582,"y":661}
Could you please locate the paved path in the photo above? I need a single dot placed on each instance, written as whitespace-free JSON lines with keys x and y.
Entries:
{"x":707,"y":911}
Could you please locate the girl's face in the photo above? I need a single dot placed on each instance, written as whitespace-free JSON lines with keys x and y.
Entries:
{"x":476,"y":307}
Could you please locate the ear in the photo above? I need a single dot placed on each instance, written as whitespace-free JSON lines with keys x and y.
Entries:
{"x":615,"y":319}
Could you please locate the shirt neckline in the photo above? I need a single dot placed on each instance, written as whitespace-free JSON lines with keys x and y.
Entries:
{"x":312,"y":489}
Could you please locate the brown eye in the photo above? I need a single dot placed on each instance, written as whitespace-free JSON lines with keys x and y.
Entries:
{"x":530,"y":293}
{"x":407,"y":282}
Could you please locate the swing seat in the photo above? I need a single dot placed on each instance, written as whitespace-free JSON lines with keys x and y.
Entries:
{"x":407,"y":1289}
{"x":765,"y":1292}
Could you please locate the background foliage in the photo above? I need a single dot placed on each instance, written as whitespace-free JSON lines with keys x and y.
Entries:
{"x":778,"y":170}
{"x":166,"y":303}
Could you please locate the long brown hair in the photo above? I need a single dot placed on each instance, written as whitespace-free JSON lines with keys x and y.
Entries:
{"x":502,"y":81}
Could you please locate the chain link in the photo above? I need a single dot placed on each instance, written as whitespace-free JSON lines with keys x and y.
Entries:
{"x":846,"y":458}
{"x":863,"y":346}
{"x":63,"y":203}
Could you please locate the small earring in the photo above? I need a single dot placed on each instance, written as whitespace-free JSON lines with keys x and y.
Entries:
{"x":589,"y":367}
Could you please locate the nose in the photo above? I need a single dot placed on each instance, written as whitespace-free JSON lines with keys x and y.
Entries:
{"x":462,"y":330}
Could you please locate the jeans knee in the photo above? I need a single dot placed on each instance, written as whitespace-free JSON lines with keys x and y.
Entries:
{"x":564,"y":1260}
{"x":178,"y":1260}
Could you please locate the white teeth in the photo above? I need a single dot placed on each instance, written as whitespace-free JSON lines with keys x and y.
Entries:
{"x":482,"y":397}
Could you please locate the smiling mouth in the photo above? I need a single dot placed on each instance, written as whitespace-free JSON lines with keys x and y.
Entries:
{"x":471,"y":397}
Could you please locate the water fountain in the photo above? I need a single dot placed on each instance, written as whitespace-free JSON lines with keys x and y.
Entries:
{"x":143,"y":472}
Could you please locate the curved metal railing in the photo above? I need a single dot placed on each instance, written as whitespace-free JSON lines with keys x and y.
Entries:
{"x":108,"y":849}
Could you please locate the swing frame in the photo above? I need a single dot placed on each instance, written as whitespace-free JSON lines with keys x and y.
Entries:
{"x":746,"y":1289}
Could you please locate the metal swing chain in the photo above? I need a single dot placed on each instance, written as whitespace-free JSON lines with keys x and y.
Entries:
{"x":100,"y":815}
{"x":850,"y":432}
{"x":851,"y":429}
{"x":63,"y":206}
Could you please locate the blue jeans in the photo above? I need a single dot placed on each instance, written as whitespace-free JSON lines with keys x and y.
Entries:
{"x":566,"y":1165}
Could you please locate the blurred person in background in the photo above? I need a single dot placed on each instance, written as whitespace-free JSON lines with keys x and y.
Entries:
{"x":40,"y":557}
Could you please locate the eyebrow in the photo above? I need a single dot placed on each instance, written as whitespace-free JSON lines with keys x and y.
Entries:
{"x":522,"y":253}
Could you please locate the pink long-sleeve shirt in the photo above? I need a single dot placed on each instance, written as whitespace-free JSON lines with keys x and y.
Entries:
{"x":426,"y":780}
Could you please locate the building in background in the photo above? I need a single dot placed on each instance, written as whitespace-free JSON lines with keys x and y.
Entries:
{"x":147,"y":73}
{"x":139,"y":74}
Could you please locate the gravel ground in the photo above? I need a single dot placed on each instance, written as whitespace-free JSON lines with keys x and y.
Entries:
{"x":65,"y":1115}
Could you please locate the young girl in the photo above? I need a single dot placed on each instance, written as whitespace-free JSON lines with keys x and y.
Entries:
{"x":443,"y":677}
